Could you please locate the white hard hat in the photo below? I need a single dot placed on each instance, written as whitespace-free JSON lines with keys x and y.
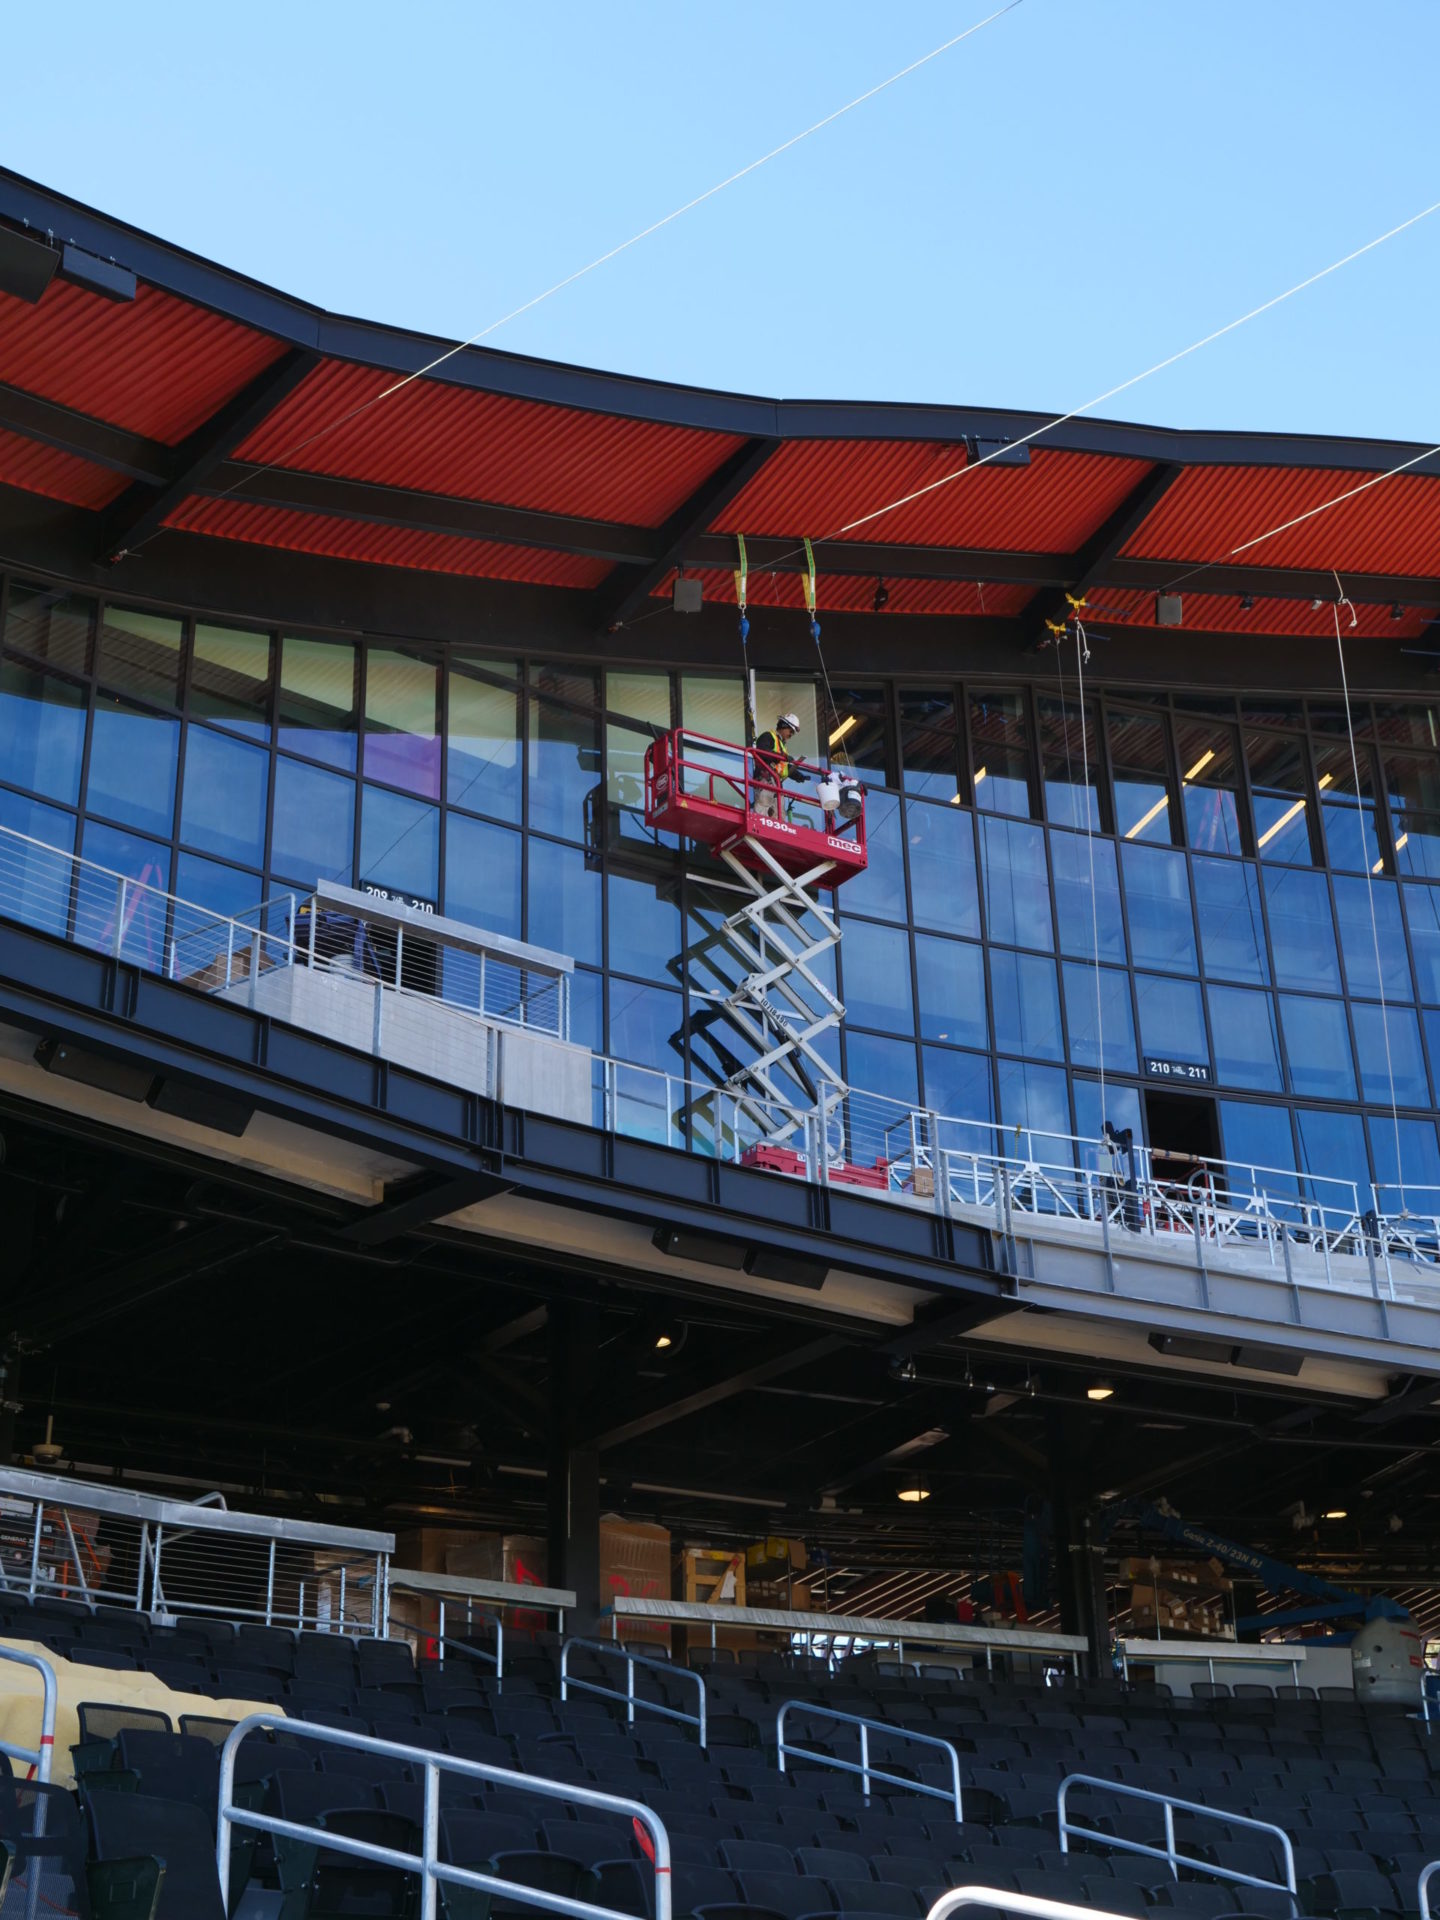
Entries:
{"x":791,"y":720}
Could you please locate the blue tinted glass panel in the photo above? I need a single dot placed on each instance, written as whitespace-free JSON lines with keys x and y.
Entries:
{"x":587,"y":1009}
{"x":223,"y":809}
{"x":1121,"y":1107}
{"x":1359,"y":938}
{"x":1157,"y":898}
{"x":1017,"y":888}
{"x":878,"y":1066}
{"x":1422,"y":910}
{"x":131,"y":921}
{"x":1101,"y":1034}
{"x":1417,"y":845}
{"x":1000,"y":752}
{"x":646,"y":1028}
{"x":929,"y":748}
{"x":1232,"y":927}
{"x":1317,"y":1044}
{"x":1212,"y":820}
{"x":482,"y":874}
{"x":1034,"y":1099}
{"x":399,"y":844}
{"x":942,"y":869}
{"x":1172,"y":1019}
{"x":564,"y":901}
{"x":483,"y":771}
{"x":875,"y":964}
{"x":207,"y":925}
{"x":1302,"y":934}
{"x":1080,"y":920}
{"x":563,"y":760}
{"x":1332,"y":1149}
{"x":1259,"y":1152}
{"x":1418,"y":1164}
{"x":951,"y":977}
{"x":50,"y":624}
{"x":313,"y":833}
{"x":1350,"y":837}
{"x":1247,"y":1045}
{"x":42,"y":732}
{"x":1026,"y":1004}
{"x":132,"y":766}
{"x":644,"y":929}
{"x":1404,"y":1061}
{"x":318,"y":714}
{"x":958,"y":1085}
{"x":37,"y":883}
{"x":880,"y":890}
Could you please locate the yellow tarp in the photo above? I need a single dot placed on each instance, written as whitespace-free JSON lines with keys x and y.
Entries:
{"x":22,"y":1697}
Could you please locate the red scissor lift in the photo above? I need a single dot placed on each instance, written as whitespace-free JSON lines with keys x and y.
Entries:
{"x":785,"y":846}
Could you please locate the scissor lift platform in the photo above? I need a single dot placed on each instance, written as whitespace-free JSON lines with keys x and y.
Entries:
{"x":711,"y":790}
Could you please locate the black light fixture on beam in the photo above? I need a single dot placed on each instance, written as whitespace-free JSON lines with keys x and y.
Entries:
{"x":88,"y":270}
{"x":882,"y":597}
{"x":1247,"y":603}
{"x":27,"y":264}
{"x":99,"y":1070}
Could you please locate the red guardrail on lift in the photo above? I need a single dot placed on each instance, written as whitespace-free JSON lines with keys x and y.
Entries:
{"x":725,"y":795}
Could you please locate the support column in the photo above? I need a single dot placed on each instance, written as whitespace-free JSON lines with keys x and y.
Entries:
{"x":1079,"y":1559}
{"x":572,"y":1482}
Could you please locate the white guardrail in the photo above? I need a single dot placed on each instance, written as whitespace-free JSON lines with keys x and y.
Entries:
{"x":866,"y":1769}
{"x":1030,"y":1905}
{"x":1170,"y":1852}
{"x":1309,"y":1225}
{"x":39,"y":1757}
{"x":427,"y":1863}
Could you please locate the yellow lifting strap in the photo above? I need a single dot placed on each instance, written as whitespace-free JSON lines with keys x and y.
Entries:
{"x":742,"y":576}
{"x":810,"y":578}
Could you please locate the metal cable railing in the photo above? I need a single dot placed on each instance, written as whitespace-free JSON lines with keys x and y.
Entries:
{"x":865,"y":1769}
{"x":405,"y":966}
{"x":433,"y":1871}
{"x":1170,"y":1852}
{"x":632,"y":1701}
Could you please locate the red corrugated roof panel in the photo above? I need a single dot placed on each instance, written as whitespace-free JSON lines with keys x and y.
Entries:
{"x":59,"y":476}
{"x":855,"y":593}
{"x":1390,"y":528}
{"x":482,"y":446}
{"x":819,"y":487}
{"x":153,"y":365}
{"x":1223,"y":613}
{"x":384,"y":546}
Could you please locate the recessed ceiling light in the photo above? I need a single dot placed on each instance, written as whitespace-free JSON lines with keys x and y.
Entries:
{"x":913,"y":1495}
{"x":1102,"y":1390}
{"x":1336,"y":1513}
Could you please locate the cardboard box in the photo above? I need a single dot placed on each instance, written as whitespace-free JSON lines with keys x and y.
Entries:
{"x":635,"y":1560}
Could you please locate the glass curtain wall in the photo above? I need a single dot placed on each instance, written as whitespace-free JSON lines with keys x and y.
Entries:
{"x":1232,"y":891}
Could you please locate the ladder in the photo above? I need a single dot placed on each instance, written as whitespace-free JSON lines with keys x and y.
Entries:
{"x":780,"y":1004}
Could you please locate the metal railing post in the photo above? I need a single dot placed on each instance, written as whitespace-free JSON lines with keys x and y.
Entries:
{"x":865,"y":1761}
{"x":229,"y":951}
{"x":441,"y":1657}
{"x":142,"y":1557}
{"x":430,"y":1843}
{"x":342,"y":1596}
{"x":270,"y":1587}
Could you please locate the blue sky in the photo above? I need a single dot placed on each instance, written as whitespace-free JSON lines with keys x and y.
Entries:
{"x":1075,"y":192}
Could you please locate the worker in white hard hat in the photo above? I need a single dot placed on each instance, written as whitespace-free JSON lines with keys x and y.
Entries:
{"x":773,"y":763}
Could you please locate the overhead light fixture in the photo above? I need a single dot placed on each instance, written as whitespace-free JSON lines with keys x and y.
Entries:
{"x":1247,"y":603}
{"x":1336,"y":1513}
{"x":913,"y":1494}
{"x":1402,"y":841}
{"x":882,"y":597}
{"x":979,"y":775}
{"x":1284,"y":821}
{"x":1102,"y":1390}
{"x":1146,"y":818}
{"x":1325,"y":780}
{"x":850,"y":721}
{"x":1169,"y":609}
{"x":665,"y":1340}
{"x":1201,"y":763}
{"x":1379,"y":866}
{"x":1397,"y":612}
{"x":955,"y":800}
{"x":88,"y":270}
{"x":688,"y":595}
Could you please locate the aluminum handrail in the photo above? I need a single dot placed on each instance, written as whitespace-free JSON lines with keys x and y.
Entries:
{"x":57,"y":1491}
{"x":1208,"y":1653}
{"x":434,"y":1872}
{"x":39,"y":1757}
{"x":865,"y":1770}
{"x":1029,"y":1904}
{"x":1423,"y":1889}
{"x":443,"y":1640}
{"x":631,"y":1699}
{"x":1168,"y":1853}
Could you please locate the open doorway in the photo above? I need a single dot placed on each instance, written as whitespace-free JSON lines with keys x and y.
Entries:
{"x":1184,"y":1131}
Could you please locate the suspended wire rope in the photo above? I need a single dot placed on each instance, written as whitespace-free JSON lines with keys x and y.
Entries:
{"x":603,"y":259}
{"x":1342,"y":600}
{"x":1124,"y":386}
{"x":1082,"y":654}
